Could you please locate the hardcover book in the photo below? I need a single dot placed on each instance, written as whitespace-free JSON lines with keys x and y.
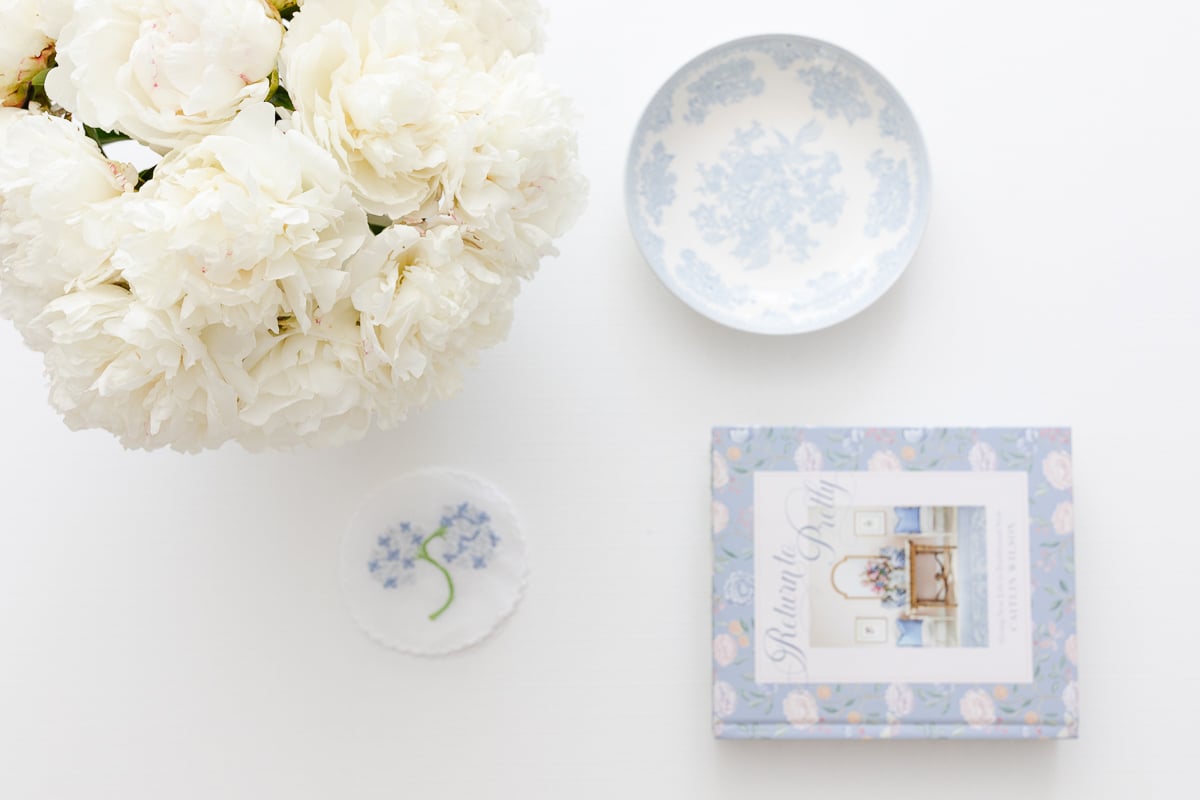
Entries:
{"x":893,"y":583}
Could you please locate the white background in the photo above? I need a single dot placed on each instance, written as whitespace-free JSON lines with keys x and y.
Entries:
{"x":170,"y":626}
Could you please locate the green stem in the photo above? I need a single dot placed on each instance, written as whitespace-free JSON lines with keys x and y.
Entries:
{"x":423,"y":555}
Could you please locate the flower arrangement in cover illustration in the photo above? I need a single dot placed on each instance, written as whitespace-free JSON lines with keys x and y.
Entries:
{"x":894,"y":583}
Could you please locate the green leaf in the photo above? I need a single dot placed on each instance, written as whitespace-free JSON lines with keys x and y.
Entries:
{"x":281,"y":99}
{"x":102,"y":137}
{"x":39,"y":81}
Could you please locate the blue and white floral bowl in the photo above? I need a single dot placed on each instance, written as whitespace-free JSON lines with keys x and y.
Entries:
{"x":778,"y":184}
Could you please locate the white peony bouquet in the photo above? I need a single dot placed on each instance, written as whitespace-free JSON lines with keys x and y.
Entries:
{"x":344,"y":198}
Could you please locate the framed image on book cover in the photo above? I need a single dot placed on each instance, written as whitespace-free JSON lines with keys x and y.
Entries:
{"x":870,"y":630}
{"x":877,"y":583}
{"x":869,"y":523}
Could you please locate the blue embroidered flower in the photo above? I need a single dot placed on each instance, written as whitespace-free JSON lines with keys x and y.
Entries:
{"x":470,"y":538}
{"x":469,"y":543}
{"x":392,"y":560}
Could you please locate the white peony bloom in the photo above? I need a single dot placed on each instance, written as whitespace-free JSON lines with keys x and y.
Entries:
{"x":307,"y":387}
{"x":429,"y":302}
{"x":25,"y":48}
{"x":239,"y":293}
{"x":242,"y":228}
{"x":142,"y":374}
{"x":375,"y":84}
{"x":7,"y":117}
{"x":491,"y":28}
{"x":53,"y":16}
{"x":153,"y":381}
{"x":512,"y":171}
{"x":424,"y":134}
{"x":114,"y":363}
{"x":60,"y":199}
{"x":165,"y":71}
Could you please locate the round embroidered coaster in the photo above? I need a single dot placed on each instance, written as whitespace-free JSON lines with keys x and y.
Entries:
{"x":433,"y":562}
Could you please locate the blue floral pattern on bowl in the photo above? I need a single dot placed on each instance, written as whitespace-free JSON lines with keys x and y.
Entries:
{"x":777,"y":184}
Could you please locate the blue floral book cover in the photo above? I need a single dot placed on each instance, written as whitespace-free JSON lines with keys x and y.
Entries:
{"x":893,"y":583}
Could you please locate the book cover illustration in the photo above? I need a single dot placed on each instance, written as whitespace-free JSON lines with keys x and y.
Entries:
{"x":907,"y":583}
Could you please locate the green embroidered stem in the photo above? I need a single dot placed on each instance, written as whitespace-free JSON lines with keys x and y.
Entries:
{"x":423,"y":555}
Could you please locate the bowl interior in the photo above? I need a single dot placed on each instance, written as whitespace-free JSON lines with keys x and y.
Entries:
{"x":778,"y":184}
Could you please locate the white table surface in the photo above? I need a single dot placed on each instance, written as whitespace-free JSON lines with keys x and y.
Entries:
{"x":171,"y":627}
